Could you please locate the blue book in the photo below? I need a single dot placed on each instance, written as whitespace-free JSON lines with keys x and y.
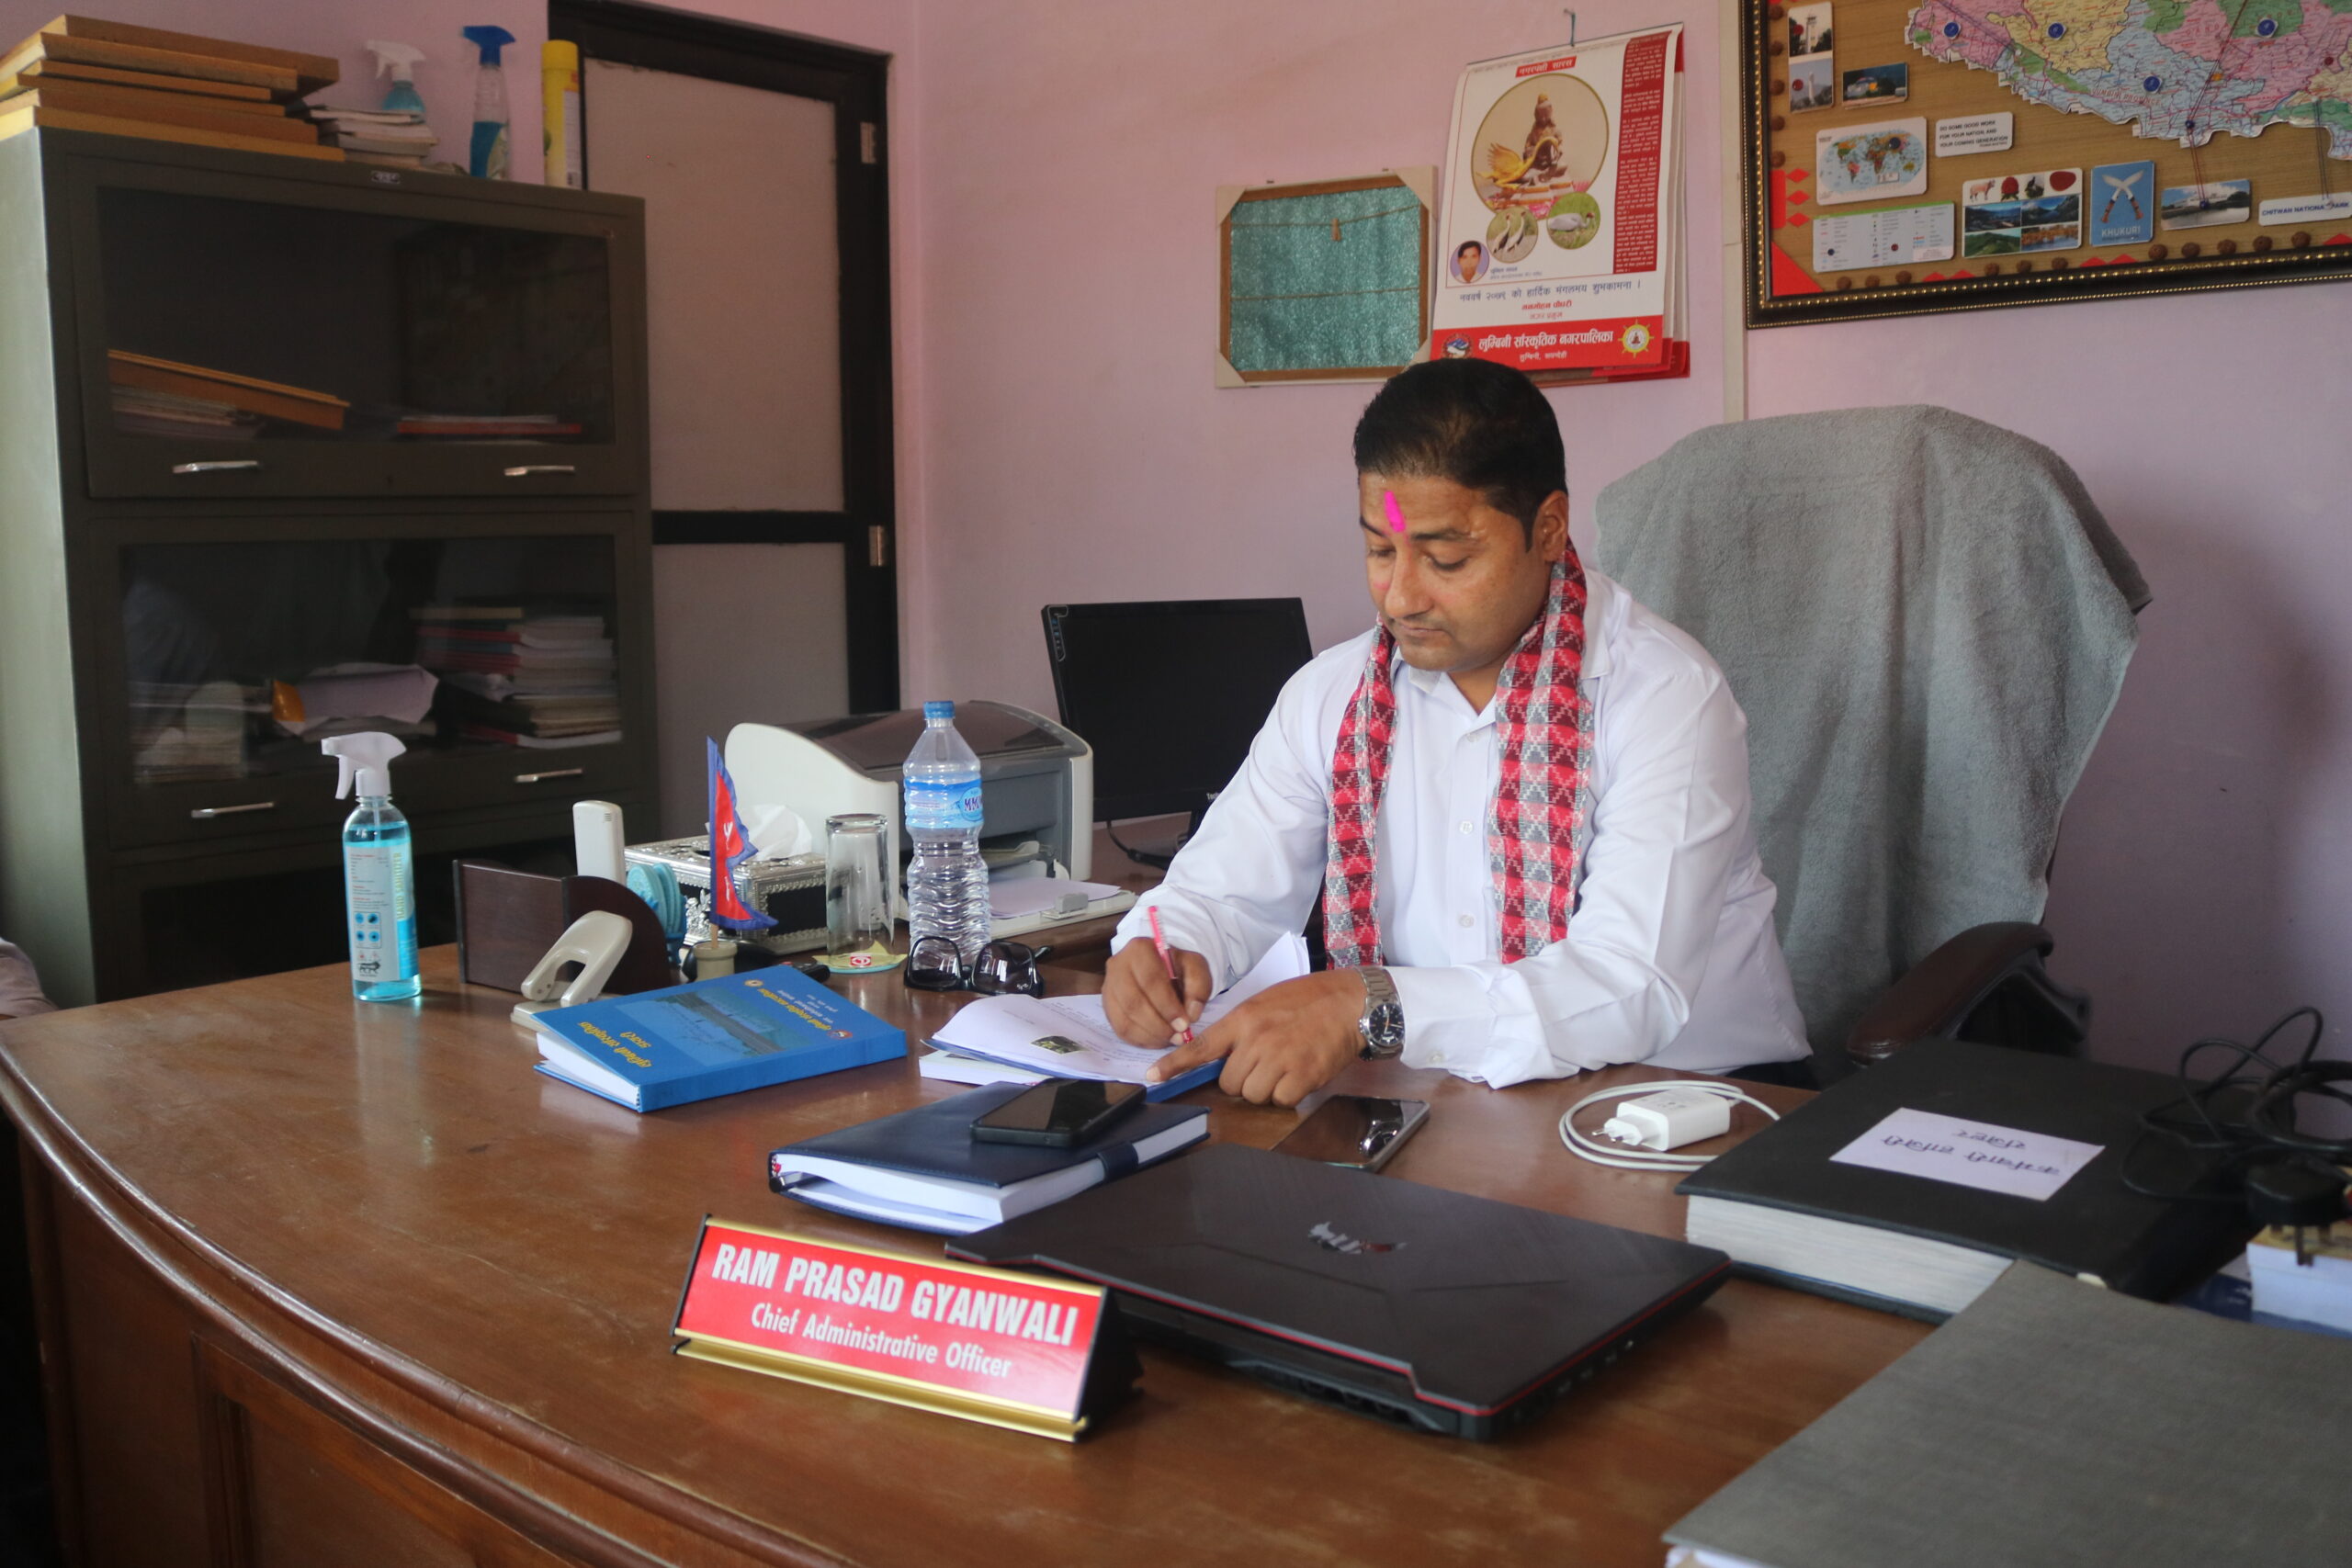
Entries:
{"x":713,"y":1037}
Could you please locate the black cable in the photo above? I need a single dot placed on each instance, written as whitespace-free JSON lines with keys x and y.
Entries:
{"x":2243,"y":1117}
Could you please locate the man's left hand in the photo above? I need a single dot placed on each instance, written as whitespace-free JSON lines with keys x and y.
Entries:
{"x":1284,"y":1043}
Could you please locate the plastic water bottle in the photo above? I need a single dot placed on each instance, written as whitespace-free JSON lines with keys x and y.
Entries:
{"x":947,"y":884}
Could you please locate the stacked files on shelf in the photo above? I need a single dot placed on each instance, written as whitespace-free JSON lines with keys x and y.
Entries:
{"x":397,"y":139}
{"x":183,"y":731}
{"x":84,"y":73}
{"x":164,"y":397}
{"x":487,"y":426}
{"x":543,"y":680}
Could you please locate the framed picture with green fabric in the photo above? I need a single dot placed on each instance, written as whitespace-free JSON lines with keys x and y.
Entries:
{"x":1324,"y":281}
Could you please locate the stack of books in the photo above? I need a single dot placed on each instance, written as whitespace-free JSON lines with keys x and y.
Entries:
{"x":81,"y":74}
{"x":541,"y":680}
{"x":488,"y":426}
{"x":164,"y":397}
{"x":397,"y":139}
{"x":182,"y":731}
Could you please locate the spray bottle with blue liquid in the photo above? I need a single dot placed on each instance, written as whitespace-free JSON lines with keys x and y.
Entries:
{"x":378,"y":871}
{"x":487,"y":160}
{"x":402,"y":60}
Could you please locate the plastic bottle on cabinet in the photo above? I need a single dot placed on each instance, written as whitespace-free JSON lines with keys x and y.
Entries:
{"x":947,"y":882}
{"x":378,"y":871}
{"x":487,"y":150}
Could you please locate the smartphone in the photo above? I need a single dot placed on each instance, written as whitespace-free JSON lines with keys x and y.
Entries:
{"x":1057,"y":1113}
{"x":1357,"y":1130}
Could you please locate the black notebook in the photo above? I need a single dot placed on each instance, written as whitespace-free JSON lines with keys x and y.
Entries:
{"x":923,"y":1169}
{"x":1791,"y":1205}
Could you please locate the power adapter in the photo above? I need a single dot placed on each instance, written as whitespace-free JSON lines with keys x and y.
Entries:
{"x":1669,"y":1120}
{"x":1637,"y":1136}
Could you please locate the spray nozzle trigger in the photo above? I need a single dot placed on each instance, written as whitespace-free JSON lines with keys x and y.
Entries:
{"x":399,"y":58}
{"x":364,"y":760}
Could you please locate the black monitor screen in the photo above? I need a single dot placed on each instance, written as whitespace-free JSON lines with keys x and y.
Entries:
{"x":1169,"y":695}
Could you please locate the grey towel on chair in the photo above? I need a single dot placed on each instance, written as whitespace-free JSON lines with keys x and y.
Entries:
{"x":1926,"y":622}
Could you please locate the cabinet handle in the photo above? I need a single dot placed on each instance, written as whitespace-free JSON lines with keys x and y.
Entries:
{"x":206,"y":813}
{"x":525,"y":471}
{"x":550,"y":774}
{"x":223,"y":466}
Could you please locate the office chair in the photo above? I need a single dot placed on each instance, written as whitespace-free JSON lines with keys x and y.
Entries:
{"x":1926,"y":623}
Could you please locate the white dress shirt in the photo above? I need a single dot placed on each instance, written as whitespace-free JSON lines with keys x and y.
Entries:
{"x":1671,"y":956}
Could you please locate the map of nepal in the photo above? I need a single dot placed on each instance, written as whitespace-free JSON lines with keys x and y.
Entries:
{"x":2180,"y":68}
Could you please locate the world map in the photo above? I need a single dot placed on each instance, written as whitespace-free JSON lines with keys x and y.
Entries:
{"x":2179,"y":69}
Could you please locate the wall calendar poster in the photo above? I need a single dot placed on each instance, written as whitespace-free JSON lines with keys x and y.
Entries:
{"x":1560,"y":230}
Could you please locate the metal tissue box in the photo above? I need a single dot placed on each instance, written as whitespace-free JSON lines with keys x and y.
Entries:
{"x":790,"y":891}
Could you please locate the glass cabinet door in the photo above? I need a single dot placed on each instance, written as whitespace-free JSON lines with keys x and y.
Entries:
{"x":499,"y":663}
{"x":247,"y":336}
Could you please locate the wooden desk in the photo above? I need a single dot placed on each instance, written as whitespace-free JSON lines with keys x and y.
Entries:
{"x":331,"y":1282}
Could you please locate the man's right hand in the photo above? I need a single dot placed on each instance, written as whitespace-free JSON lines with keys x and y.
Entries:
{"x":1144,"y":1005}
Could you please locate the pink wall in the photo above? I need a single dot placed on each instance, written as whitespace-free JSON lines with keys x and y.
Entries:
{"x":1075,"y":446}
{"x":1075,"y":449}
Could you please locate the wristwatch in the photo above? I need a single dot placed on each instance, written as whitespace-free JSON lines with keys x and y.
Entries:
{"x":1382,"y":1027}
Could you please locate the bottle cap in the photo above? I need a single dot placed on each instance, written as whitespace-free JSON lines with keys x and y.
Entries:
{"x":490,"y":41}
{"x":935,"y":713}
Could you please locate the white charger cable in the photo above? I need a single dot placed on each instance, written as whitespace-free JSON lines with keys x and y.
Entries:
{"x":1640,"y":1134}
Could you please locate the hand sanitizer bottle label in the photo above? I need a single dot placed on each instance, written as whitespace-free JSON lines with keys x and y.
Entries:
{"x":375,"y":895}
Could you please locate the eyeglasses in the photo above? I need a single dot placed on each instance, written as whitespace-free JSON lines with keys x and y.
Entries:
{"x":1000,"y":967}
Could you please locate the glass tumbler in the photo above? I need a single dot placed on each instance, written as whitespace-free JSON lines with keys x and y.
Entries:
{"x":859,"y":933}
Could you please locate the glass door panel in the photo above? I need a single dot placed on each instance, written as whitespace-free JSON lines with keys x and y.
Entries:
{"x":268,"y":337}
{"x":485,"y":656}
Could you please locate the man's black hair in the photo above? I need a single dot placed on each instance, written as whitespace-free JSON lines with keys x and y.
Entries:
{"x":1481,"y":426}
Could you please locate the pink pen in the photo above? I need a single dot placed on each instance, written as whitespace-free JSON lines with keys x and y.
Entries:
{"x":1168,"y":962}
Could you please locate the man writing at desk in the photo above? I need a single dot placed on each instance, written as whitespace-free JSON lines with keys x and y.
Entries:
{"x":1522,"y":799}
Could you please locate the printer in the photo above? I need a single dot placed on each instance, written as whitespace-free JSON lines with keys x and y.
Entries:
{"x":1037,"y":778}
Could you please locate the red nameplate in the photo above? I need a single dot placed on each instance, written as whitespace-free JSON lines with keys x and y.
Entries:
{"x":1018,"y":1351}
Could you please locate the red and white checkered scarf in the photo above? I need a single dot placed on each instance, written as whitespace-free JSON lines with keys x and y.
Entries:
{"x":1537,"y":818}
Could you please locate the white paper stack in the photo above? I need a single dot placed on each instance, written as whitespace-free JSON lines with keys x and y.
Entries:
{"x":395,"y":138}
{"x":1072,"y":1037}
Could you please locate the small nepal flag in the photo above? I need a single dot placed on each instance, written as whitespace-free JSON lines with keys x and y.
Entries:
{"x":730,"y":846}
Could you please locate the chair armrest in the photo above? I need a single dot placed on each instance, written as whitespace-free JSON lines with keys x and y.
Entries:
{"x":1949,"y":987}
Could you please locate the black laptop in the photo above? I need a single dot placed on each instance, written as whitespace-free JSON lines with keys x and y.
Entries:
{"x":1421,"y":1306}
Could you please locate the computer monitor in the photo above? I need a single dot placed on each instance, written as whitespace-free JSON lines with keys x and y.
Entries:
{"x":1171,"y":693}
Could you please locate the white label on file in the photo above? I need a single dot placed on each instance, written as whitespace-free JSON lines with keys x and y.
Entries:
{"x":1970,"y":1154}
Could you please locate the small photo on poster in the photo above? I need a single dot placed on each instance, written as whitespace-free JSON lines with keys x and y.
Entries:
{"x":2009,"y":215}
{"x":1876,"y":85}
{"x":2201,"y":207}
{"x":1809,"y":31}
{"x":1511,"y":234}
{"x":2123,"y":204}
{"x":1813,"y":84}
{"x":1468,"y":263}
{"x":1869,"y":162}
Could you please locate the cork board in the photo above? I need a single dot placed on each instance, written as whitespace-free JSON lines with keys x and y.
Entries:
{"x":1880,"y":132}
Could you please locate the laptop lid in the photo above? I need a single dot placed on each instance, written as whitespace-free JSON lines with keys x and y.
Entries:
{"x":1475,"y":1302}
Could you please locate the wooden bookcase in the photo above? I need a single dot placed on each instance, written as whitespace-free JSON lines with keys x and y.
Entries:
{"x":136,"y":566}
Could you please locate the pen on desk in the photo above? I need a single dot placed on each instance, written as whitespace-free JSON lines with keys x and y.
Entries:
{"x":1168,"y":962}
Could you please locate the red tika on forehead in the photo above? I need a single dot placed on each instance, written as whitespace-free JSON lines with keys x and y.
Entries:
{"x":1396,"y":513}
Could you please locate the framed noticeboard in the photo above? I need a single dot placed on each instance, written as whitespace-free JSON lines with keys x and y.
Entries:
{"x":1905,"y":156}
{"x":1323,"y":281}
